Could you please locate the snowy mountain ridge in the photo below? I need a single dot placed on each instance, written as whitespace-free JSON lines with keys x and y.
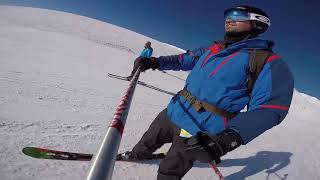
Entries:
{"x":81,"y":26}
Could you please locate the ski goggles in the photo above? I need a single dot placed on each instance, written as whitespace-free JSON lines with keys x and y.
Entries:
{"x":238,"y":15}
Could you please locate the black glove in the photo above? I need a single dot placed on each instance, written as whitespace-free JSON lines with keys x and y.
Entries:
{"x":146,"y":63}
{"x":206,"y":147}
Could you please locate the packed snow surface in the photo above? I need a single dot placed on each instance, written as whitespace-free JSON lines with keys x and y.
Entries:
{"x":54,"y":93}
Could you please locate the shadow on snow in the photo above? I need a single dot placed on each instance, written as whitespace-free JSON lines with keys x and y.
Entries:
{"x":267,"y":161}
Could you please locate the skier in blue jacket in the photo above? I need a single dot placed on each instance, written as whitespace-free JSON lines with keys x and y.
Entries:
{"x":145,"y":53}
{"x":203,"y":121}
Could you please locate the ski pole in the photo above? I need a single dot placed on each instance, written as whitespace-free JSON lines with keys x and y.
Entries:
{"x":216,"y":170}
{"x":105,"y":157}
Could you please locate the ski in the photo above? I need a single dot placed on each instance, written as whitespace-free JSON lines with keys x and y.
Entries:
{"x":43,"y":153}
{"x":123,"y":78}
{"x":117,"y":76}
{"x":141,"y":83}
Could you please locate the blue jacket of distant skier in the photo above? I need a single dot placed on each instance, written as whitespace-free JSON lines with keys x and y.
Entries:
{"x":219,"y":77}
{"x":146,"y":52}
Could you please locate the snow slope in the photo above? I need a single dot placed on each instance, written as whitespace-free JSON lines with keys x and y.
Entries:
{"x":54,"y":93}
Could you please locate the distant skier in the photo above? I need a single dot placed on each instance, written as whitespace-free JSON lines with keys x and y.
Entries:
{"x":146,"y":53}
{"x":203,"y":121}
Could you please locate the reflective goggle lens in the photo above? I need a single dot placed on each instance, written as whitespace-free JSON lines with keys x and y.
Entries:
{"x":237,"y":15}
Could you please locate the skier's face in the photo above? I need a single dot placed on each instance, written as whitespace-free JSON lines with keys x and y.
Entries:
{"x":236,"y":26}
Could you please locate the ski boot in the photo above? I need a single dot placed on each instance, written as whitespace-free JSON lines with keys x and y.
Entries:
{"x":126,"y":156}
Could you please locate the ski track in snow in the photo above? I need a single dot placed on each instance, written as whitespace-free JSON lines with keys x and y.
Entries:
{"x":55,"y":93}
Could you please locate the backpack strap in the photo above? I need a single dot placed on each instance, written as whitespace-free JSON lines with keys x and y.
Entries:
{"x":198,"y":105}
{"x":258,"y":58}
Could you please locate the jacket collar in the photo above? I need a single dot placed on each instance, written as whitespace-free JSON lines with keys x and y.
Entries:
{"x":254,"y":43}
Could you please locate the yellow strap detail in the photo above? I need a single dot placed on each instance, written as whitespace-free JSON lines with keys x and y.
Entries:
{"x":184,"y":133}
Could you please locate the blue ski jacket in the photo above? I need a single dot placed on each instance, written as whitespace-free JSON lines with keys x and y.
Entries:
{"x":146,"y":52}
{"x":219,"y":77}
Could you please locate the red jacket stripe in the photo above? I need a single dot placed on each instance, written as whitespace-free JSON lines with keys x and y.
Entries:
{"x":275,"y":107}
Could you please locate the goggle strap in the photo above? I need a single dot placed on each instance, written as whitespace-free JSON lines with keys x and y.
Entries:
{"x":258,"y":17}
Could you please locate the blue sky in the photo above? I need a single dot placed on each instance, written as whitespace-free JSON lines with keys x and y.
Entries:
{"x":190,"y":24}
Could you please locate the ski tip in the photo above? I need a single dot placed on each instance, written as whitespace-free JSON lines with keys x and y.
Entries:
{"x":32,"y":152}
{"x":27,"y":150}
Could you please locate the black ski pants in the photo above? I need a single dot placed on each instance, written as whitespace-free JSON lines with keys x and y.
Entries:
{"x":135,"y":67}
{"x":176,"y":162}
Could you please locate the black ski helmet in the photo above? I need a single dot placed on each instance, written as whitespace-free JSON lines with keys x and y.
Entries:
{"x":148,"y":44}
{"x":260,"y":21}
